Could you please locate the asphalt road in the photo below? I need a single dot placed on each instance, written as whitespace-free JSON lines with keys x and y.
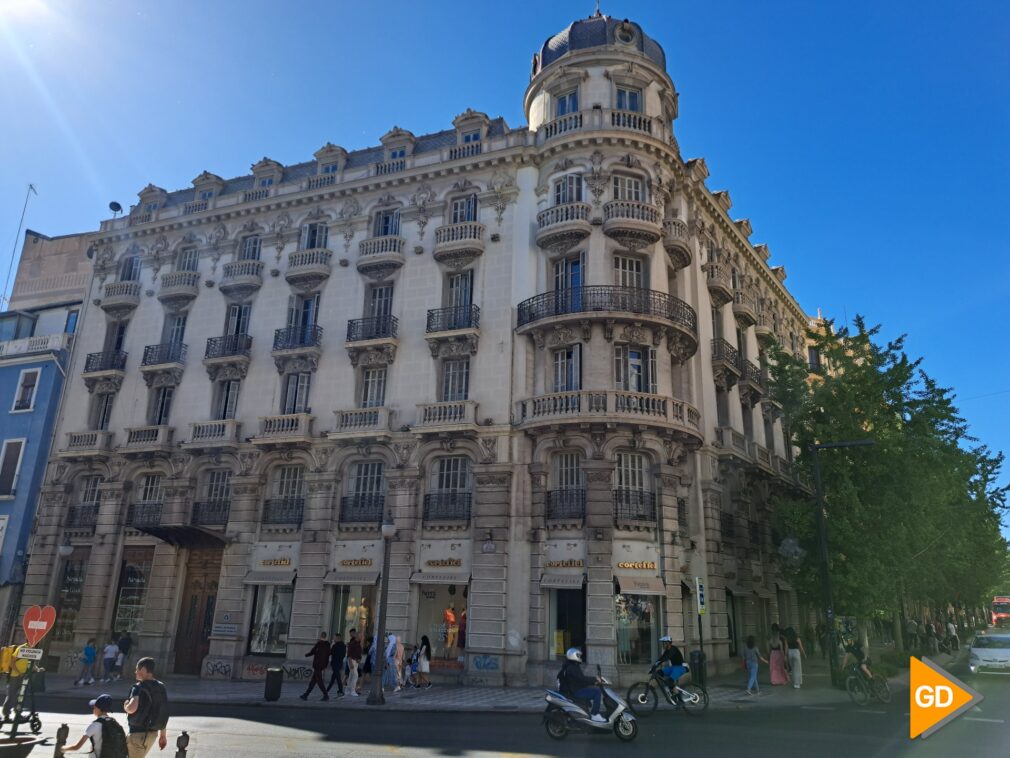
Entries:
{"x":872,"y":731}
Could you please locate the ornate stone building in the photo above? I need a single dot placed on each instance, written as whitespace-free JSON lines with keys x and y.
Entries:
{"x":539,"y":349}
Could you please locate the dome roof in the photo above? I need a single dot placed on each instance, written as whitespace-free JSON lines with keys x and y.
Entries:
{"x":598,"y":31}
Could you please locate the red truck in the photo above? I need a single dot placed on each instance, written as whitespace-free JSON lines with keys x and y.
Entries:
{"x":1001,"y":610}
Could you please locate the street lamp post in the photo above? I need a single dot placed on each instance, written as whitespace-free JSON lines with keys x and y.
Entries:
{"x":375,"y":697}
{"x":822,"y":540}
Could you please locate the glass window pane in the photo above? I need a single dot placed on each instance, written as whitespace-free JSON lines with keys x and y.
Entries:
{"x":268,"y":633}
{"x":637,"y":628}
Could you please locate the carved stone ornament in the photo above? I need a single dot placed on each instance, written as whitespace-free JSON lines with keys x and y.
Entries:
{"x":105,"y":262}
{"x":350,"y":208}
{"x":405,"y":484}
{"x":608,"y":329}
{"x":635,"y":334}
{"x":561,"y":335}
{"x":493,"y":480}
{"x":670,"y":481}
{"x":168,"y":377}
{"x":57,"y":471}
{"x":681,"y":347}
{"x":107,"y":385}
{"x":221,"y":372}
{"x":450,"y":347}
{"x":179,"y":461}
{"x":281,"y":224}
{"x":403,"y":451}
{"x":488,"y":449}
{"x":116,"y":464}
{"x":676,"y":453}
{"x":296,"y":364}
{"x":322,"y":457}
{"x":244,"y":490}
{"x":586,"y":327}
{"x":378,"y":272}
{"x":538,"y":480}
{"x":599,"y":476}
{"x":503,"y":186}
{"x":597,"y":179}
{"x":372,"y":357}
{"x":563,"y":165}
{"x":246,"y":462}
{"x":598,"y":439}
{"x":316,"y":488}
{"x":457,"y":260}
{"x":420,"y":200}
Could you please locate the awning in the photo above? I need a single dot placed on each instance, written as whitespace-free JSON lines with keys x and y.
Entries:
{"x":438,"y":577}
{"x":351,"y":577}
{"x":562,"y":581}
{"x":641,"y":585}
{"x":270,"y":577}
{"x":738,"y":591}
{"x":184,"y":536}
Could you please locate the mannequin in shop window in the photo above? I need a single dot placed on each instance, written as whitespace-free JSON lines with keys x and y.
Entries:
{"x":461,"y":640}
{"x":451,"y":629}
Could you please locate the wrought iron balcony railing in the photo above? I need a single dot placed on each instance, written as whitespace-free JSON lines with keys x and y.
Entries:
{"x":145,"y":513}
{"x":228,"y":346}
{"x":634,"y":505}
{"x":607,"y":298}
{"x":724,"y":351}
{"x":82,"y":516}
{"x":284,"y":510}
{"x":454,"y":317}
{"x":167,"y":352}
{"x":362,"y":509}
{"x":294,"y":337}
{"x":377,"y":327}
{"x":211,"y":512}
{"x":111,"y":360}
{"x":566,"y":504}
{"x":447,"y":506}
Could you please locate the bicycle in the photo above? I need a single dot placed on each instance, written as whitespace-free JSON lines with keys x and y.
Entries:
{"x":861,"y":689}
{"x":643,"y":700}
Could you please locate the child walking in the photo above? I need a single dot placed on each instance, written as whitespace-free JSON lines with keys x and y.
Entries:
{"x":88,"y":656}
{"x":751,"y":657}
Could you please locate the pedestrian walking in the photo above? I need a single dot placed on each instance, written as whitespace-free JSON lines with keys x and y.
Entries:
{"x":125,"y":645}
{"x":777,"y":657}
{"x":955,"y":643}
{"x":912,"y":634}
{"x":369,"y":662}
{"x":147,"y":711}
{"x":390,"y":678}
{"x":931,"y":642}
{"x":109,"y":656}
{"x":794,"y":652}
{"x":353,"y":662}
{"x":338,"y":651}
{"x":16,"y":670}
{"x":320,"y":655}
{"x":751,"y":657}
{"x":424,"y":662}
{"x":88,"y":657}
{"x":398,"y":660}
{"x":104,"y":735}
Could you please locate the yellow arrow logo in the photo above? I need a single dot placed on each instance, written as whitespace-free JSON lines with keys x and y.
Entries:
{"x":935,"y":698}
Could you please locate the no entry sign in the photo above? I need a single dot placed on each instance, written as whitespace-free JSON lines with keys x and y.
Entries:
{"x":38,"y":622}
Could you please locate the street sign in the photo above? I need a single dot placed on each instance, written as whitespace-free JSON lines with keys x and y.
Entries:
{"x":38,"y":622}
{"x":30,"y":653}
{"x":699,"y":586}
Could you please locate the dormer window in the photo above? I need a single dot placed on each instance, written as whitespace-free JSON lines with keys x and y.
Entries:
{"x":150,"y":207}
{"x":464,"y":209}
{"x":330,"y":168}
{"x":471,"y":137}
{"x":629,"y":99}
{"x":566,"y":103}
{"x":207,"y":194}
{"x":568,"y":189}
{"x":267,"y":181}
{"x":399,"y":152}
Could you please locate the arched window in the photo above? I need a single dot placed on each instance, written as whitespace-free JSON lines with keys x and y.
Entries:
{"x":286,"y":503}
{"x":84,"y":514}
{"x":365,"y":498}
{"x":450,"y":496}
{"x":633,"y":496}
{"x":214,"y":504}
{"x":567,"y":497}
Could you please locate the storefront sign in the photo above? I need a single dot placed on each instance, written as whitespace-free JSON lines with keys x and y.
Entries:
{"x":637,"y":565}
{"x":273,"y":562}
{"x":568,"y":564}
{"x":444,"y":563}
{"x":356,"y":563}
{"x":636,"y":558}
{"x":565,"y":554}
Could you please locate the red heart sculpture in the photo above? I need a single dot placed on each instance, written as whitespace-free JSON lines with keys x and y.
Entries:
{"x":38,"y":622}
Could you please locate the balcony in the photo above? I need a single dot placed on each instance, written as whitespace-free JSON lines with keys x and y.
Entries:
{"x":42,"y":343}
{"x":87,"y":444}
{"x":632,"y":224}
{"x":725,"y":364}
{"x":241,"y":280}
{"x":207,"y":435}
{"x":143,"y":514}
{"x":565,"y":505}
{"x":763,"y":329}
{"x":466,"y":150}
{"x":320,"y":181}
{"x":362,"y":509}
{"x":762,"y":457}
{"x":390,"y":167}
{"x":227,"y":357}
{"x":631,"y":120}
{"x":564,"y":226}
{"x":147,"y":439}
{"x":744,"y":307}
{"x":104,"y":372}
{"x":571,"y":122}
{"x":361,"y":422}
{"x":676,"y":244}
{"x":376,"y":328}
{"x":453,"y":331}
{"x":308,"y":269}
{"x":195,"y":206}
{"x":119,"y":299}
{"x":609,"y":304}
{"x":447,"y":416}
{"x":380,"y":257}
{"x":610,"y":407}
{"x":720,"y":286}
{"x":163,"y":364}
{"x":250,"y":196}
{"x":83,"y":517}
{"x":285,"y":428}
{"x":751,"y":384}
{"x":447,"y":506}
{"x":634,"y":505}
{"x":457,"y":245}
{"x":179,"y":289}
{"x":210,"y":513}
{"x":733,"y":443}
{"x":297,"y":347}
{"x":287,"y":511}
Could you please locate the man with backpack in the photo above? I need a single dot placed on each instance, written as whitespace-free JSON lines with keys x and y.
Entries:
{"x":106,"y":736}
{"x":147,"y":711}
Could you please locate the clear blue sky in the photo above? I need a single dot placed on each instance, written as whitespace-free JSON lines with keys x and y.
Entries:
{"x":867,"y":142}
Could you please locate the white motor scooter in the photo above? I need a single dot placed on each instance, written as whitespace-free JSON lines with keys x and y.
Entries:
{"x":564,"y":715}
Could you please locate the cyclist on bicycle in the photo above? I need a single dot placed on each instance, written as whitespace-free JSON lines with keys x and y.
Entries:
{"x":671,"y":661}
{"x":853,"y":648}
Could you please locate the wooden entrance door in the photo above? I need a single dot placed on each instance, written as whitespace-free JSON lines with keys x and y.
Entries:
{"x":196,"y":614}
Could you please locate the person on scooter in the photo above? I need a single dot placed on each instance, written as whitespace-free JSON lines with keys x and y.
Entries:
{"x":576,"y":685}
{"x":671,"y":661}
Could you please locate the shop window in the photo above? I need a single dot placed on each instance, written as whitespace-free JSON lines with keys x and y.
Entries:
{"x":28,"y":384}
{"x":68,"y":601}
{"x":271,"y":616}
{"x":250,"y":248}
{"x":131,"y":593}
{"x":568,"y":189}
{"x":637,"y":628}
{"x":442,"y":616}
{"x":314,"y":236}
{"x":567,"y":622}
{"x":10,"y":466}
{"x":354,"y":608}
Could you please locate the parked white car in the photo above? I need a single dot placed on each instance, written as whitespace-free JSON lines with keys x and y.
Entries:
{"x":989,"y":654}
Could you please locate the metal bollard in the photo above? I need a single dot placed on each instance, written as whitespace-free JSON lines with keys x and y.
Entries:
{"x":61,"y":739}
{"x":182,"y":743}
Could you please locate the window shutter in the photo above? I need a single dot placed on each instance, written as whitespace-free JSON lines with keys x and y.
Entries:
{"x":9,"y":466}
{"x":231,"y":399}
{"x":621,"y":367}
{"x":653,"y":379}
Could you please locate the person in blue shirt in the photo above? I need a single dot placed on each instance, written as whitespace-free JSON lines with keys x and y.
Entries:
{"x":88,"y":657}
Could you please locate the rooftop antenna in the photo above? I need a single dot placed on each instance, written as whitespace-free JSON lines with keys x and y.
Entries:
{"x":597,"y":7}
{"x":3,"y":293}
{"x":116,"y":208}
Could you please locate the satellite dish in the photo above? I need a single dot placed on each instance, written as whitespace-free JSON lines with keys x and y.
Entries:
{"x":115,"y":207}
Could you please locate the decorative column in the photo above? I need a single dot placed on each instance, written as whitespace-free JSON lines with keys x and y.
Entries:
{"x":671,"y":551}
{"x":537,"y":644}
{"x":317,"y":527}
{"x":401,"y":502}
{"x":167,"y":580}
{"x":601,"y":630}
{"x":102,"y":577}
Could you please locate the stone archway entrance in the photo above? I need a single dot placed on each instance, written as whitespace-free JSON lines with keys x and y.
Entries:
{"x":196,"y":612}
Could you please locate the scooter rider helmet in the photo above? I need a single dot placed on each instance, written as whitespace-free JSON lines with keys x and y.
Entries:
{"x":666,"y":638}
{"x":574,"y":654}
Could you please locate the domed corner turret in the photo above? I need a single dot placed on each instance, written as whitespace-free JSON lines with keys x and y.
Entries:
{"x":600,"y":69}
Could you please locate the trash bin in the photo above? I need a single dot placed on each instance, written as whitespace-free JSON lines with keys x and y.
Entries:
{"x":697,"y":663}
{"x":272,"y":688}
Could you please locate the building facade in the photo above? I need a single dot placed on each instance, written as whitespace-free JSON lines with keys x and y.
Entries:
{"x":540,"y":350}
{"x":36,"y":340}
